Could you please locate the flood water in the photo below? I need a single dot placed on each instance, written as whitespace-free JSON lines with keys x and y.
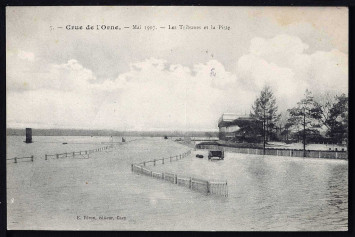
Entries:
{"x":265,"y":192}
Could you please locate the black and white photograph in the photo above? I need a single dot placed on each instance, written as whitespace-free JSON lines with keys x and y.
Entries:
{"x":177,"y":118}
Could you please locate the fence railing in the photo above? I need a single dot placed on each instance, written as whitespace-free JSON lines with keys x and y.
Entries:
{"x":166,"y":159}
{"x":204,"y":186}
{"x":78,"y":154}
{"x":21,"y":159}
{"x":281,"y":152}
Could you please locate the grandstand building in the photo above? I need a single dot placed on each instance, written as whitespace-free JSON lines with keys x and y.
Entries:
{"x":235,"y":127}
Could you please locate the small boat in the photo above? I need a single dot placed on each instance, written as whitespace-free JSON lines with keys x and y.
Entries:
{"x":199,"y":156}
{"x":65,"y":143}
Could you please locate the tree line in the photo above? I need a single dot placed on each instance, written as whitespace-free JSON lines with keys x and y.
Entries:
{"x":314,"y":119}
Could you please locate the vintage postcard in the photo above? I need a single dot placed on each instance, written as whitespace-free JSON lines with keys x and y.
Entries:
{"x":177,"y":118}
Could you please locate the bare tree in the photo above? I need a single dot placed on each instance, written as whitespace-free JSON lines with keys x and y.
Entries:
{"x":325,"y":101}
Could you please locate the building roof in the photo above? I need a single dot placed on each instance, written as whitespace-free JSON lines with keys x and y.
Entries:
{"x":231,"y":122}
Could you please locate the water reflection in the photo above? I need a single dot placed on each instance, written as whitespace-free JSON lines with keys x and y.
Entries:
{"x":297,"y":194}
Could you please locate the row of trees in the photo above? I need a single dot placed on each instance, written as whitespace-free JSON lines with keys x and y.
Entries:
{"x":311,"y":117}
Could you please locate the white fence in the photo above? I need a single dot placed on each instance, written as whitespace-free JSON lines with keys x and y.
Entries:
{"x":21,"y":159}
{"x":77,"y":154}
{"x":204,"y":186}
{"x":280,"y":152}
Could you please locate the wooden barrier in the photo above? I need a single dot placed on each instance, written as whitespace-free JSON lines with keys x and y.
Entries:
{"x":169,"y":177}
{"x":199,"y":185}
{"x":81,"y":154}
{"x":156,"y":161}
{"x":281,"y":152}
{"x":157,"y":175}
{"x":186,"y":182}
{"x":22,"y":159}
{"x":204,"y":186}
{"x":219,"y":188}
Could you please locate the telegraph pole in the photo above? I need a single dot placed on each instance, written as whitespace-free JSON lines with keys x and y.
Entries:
{"x":264,"y":132}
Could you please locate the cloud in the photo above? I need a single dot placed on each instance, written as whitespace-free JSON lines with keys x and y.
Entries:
{"x":154,"y":94}
{"x":283,"y":63}
{"x":158,"y":95}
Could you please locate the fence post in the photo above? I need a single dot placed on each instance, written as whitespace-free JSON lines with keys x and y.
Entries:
{"x":175,"y":179}
{"x":86,"y":152}
{"x":154,"y":162}
{"x":336,"y":155}
{"x":45,"y":157}
{"x":144,"y":163}
{"x":163,"y":161}
{"x":190,"y":183}
{"x":73,"y":154}
{"x":162,"y":175}
{"x":132,"y":167}
{"x":318,"y":154}
{"x":290,"y":153}
{"x":57,"y":156}
{"x":32,"y":158}
{"x":15,"y":160}
{"x":208,"y":187}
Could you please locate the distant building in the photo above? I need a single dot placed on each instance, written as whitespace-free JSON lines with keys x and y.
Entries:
{"x":226,"y":126}
{"x":238,"y":128}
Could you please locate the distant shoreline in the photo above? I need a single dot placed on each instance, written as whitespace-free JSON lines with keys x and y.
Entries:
{"x":83,"y":132}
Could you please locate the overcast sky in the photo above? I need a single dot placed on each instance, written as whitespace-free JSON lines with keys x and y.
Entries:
{"x":166,"y":79}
